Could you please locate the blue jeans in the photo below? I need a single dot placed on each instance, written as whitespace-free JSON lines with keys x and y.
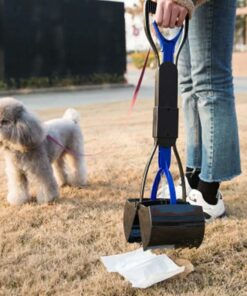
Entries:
{"x":207,"y":91}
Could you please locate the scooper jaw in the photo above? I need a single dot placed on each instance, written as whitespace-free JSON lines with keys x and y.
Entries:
{"x":159,"y":223}
{"x":174,"y":225}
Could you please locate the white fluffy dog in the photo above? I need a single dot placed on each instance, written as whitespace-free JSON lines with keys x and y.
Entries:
{"x":30,"y":147}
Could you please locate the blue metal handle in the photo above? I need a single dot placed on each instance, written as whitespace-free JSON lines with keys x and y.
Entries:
{"x":167,"y":45}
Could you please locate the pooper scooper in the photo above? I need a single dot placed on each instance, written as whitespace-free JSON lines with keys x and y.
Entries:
{"x":158,"y":223}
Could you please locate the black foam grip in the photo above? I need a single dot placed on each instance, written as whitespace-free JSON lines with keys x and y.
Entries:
{"x":165,"y":117}
{"x":166,"y":88}
{"x":165,"y":127}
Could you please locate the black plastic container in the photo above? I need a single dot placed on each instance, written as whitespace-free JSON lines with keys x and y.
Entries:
{"x":158,"y":224}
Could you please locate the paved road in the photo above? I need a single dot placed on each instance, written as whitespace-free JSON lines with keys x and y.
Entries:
{"x":78,"y":98}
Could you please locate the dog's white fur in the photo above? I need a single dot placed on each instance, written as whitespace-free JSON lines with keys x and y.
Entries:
{"x":29,"y":153}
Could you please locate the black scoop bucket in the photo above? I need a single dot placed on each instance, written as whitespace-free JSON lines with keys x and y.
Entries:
{"x":180,"y":225}
{"x":157,"y":224}
{"x":160,"y":223}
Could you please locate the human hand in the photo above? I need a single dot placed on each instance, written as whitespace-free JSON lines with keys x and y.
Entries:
{"x":170,"y":14}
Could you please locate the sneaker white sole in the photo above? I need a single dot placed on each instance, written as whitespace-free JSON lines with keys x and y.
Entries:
{"x":211,"y":212}
{"x":209,"y":218}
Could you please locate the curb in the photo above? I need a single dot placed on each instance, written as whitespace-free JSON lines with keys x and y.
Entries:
{"x":29,"y":91}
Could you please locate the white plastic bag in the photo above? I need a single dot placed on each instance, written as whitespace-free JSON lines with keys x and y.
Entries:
{"x":150,"y":272}
{"x":117,"y":262}
{"x":142,"y":269}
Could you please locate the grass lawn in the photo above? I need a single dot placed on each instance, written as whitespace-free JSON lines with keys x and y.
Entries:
{"x":56,"y":249}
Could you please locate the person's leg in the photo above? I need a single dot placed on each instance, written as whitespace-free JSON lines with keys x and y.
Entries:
{"x":191,"y":117}
{"x":210,"y":46}
{"x":211,"y":42}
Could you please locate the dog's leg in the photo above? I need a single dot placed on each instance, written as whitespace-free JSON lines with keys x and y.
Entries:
{"x":42,"y":176}
{"x":77,"y":175}
{"x":60,"y":172}
{"x":17,"y":184}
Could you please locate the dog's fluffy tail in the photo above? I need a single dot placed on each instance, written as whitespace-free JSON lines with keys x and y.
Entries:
{"x":73,"y":115}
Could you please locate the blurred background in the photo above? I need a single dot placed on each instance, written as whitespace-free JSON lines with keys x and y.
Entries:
{"x":136,"y":40}
{"x":47,"y":43}
{"x":61,"y":42}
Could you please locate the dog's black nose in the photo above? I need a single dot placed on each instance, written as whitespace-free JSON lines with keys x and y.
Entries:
{"x":4,"y":122}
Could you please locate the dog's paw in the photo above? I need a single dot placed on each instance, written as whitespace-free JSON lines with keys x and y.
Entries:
{"x":41,"y":199}
{"x":62,"y":184}
{"x":78,"y":184}
{"x":18,"y":199}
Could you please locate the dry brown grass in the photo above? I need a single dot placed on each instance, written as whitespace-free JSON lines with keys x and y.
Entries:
{"x":55,"y":250}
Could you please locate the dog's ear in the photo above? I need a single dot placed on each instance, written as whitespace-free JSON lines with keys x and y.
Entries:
{"x":28,"y":131}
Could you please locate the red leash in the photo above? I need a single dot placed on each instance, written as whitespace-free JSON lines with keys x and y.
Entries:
{"x":70,"y":151}
{"x":133,"y":101}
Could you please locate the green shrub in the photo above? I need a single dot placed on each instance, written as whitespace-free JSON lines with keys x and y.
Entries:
{"x":3,"y":85}
{"x":34,"y":82}
{"x":106,"y":78}
{"x":45,"y":82}
{"x":138,"y":59}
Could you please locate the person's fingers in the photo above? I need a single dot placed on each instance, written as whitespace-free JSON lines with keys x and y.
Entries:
{"x":167,"y":11}
{"x":169,"y":14}
{"x":174,"y":16}
{"x":182,"y":16}
{"x":159,"y":13}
